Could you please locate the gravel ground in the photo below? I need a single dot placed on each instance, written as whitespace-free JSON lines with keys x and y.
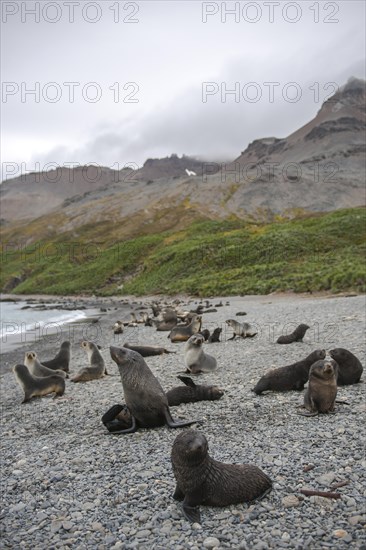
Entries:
{"x":67,"y":483}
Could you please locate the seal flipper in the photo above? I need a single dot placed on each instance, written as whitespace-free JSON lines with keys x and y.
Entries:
{"x":187,"y":381}
{"x":173,"y":424}
{"x":192,"y":513}
{"x":130,"y":430}
{"x":178,"y":493}
{"x":112,"y":413}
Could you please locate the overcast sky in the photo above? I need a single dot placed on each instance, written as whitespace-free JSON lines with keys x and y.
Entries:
{"x":167,"y":54}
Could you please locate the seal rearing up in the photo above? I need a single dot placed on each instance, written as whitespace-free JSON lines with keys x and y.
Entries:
{"x":203,"y":480}
{"x":144,"y":396}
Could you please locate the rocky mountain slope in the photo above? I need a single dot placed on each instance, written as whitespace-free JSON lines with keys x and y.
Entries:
{"x":320,"y":167}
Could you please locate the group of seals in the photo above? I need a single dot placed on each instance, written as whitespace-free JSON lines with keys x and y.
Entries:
{"x":203,"y":480}
{"x":195,"y":358}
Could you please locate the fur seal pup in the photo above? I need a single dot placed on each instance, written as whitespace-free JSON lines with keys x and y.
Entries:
{"x":240,"y":329}
{"x":118,"y":327}
{"x":203,"y":480}
{"x":183,"y":333}
{"x":36,"y":386}
{"x":62,"y":359}
{"x":145,"y":398}
{"x":295,"y":336}
{"x":97,"y":366}
{"x":147,"y":351}
{"x":290,"y":377}
{"x":195,"y":358}
{"x":205,"y":333}
{"x":321,"y":393}
{"x":215,"y":336}
{"x":31,"y":361}
{"x":191,"y":393}
{"x":349,"y":366}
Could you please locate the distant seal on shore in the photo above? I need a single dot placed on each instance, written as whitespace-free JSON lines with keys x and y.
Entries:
{"x":349,"y":366}
{"x":183,"y":333}
{"x":97,"y":366}
{"x":321,"y":392}
{"x":195,"y":358}
{"x":145,"y":398}
{"x":35,"y":386}
{"x":191,"y":392}
{"x":147,"y":351}
{"x":118,"y":327}
{"x":37,"y":369}
{"x":62,"y":359}
{"x":240,"y":329}
{"x":290,"y":377}
{"x":296,"y":336}
{"x":202,"y":480}
{"x":215,"y":336}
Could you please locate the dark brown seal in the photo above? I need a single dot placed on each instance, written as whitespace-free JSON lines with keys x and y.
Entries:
{"x":290,"y":377}
{"x":61,"y":361}
{"x":190,"y":393}
{"x":349,"y":366}
{"x":203,"y":480}
{"x":321,"y":393}
{"x":147,"y":351}
{"x":144,"y":396}
{"x":295,"y":336}
{"x":35,"y":386}
{"x":215,"y":336}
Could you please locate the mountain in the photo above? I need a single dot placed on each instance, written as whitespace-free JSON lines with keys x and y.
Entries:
{"x":319,"y":167}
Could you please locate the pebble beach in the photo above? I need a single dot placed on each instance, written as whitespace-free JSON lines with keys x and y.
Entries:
{"x":68,"y":483}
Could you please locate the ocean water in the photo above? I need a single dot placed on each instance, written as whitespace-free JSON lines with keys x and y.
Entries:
{"x":26,"y":326}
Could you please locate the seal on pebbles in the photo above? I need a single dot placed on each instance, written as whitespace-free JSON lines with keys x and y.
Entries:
{"x":37,"y":369}
{"x":321,"y":392}
{"x":36,"y":386}
{"x":195,"y":358}
{"x":202,"y":480}
{"x":290,"y":377}
{"x":96,"y":368}
{"x":296,"y":336}
{"x":349,"y":366}
{"x":62,"y":359}
{"x":147,"y":351}
{"x":145,"y":398}
{"x":244,"y":330}
{"x":191,"y":392}
{"x":183,"y":333}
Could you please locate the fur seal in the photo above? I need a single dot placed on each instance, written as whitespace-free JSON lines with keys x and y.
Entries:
{"x":203,"y":480}
{"x":240,"y":329}
{"x":145,"y":398}
{"x":35,"y":386}
{"x":117,"y":418}
{"x":118,"y":327}
{"x":196,"y":359}
{"x":97,"y":366}
{"x":215,"y":336}
{"x":205,"y":333}
{"x":62,"y":359}
{"x":290,"y":377}
{"x":31,"y":361}
{"x":349,"y":366}
{"x":296,"y":336}
{"x":191,"y":393}
{"x":321,"y":393}
{"x":147,"y":351}
{"x":183,"y":333}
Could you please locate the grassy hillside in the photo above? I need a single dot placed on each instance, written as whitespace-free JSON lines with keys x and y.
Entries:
{"x":322,"y":252}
